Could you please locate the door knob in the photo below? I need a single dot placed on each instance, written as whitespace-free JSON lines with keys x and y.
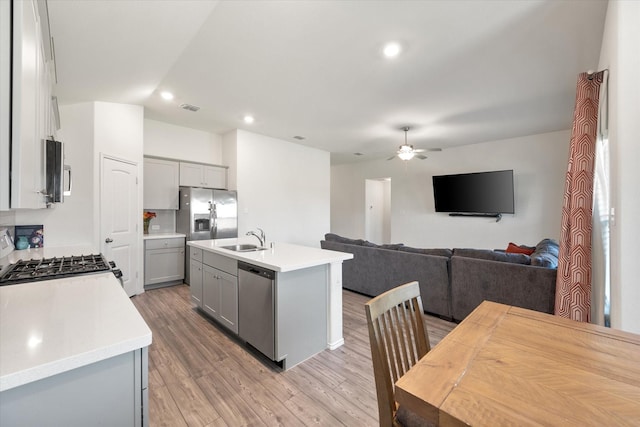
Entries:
{"x":108,"y":240}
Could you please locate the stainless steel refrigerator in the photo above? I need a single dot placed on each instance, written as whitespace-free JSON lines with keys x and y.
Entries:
{"x":205,"y":214}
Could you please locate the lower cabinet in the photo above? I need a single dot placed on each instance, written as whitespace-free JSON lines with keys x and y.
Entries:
{"x":163,"y":261}
{"x":111,"y":392}
{"x":195,"y":275}
{"x":214,"y":287}
{"x":195,"y":284}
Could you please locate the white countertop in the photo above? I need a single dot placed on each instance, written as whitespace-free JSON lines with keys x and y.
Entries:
{"x":53,"y":326}
{"x":282,"y":257}
{"x":152,"y":236}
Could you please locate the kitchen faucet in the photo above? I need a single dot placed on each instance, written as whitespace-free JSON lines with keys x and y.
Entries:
{"x":261,"y":237}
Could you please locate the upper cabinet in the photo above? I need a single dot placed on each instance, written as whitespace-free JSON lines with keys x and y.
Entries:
{"x":201,"y":175}
{"x":31,"y":114}
{"x":161,"y":181}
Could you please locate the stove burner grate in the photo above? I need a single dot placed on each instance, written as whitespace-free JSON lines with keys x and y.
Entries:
{"x":53,"y":268}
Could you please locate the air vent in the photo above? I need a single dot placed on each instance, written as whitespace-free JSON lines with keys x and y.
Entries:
{"x":189,"y":107}
{"x":299,"y":138}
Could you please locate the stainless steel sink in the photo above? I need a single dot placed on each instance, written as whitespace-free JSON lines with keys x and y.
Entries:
{"x":244,"y":248}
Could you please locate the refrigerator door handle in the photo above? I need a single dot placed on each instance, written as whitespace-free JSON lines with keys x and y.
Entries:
{"x":213,"y":220}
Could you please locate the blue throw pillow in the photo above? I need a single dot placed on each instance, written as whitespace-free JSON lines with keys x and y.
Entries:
{"x":546,"y":254}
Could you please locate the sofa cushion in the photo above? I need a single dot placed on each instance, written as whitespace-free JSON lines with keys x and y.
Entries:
{"x":330,"y":237}
{"x":492,"y":255}
{"x":512,"y":248}
{"x":393,"y":246}
{"x":546,"y":254}
{"x":438,"y":252}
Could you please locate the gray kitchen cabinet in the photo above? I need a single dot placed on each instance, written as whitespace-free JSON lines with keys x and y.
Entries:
{"x":163,"y":262}
{"x":111,"y":392}
{"x":220,"y":289}
{"x":211,"y":291}
{"x":196,"y":275}
{"x":203,"y":175}
{"x":161,"y":184}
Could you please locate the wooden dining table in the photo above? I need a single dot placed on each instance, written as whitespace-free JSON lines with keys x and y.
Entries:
{"x":505,"y":365}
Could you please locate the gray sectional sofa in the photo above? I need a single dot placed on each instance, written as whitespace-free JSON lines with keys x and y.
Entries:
{"x":452,"y":282}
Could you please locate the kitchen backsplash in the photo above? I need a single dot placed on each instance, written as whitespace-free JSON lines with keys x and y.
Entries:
{"x":164,"y":222}
{"x":7,"y":218}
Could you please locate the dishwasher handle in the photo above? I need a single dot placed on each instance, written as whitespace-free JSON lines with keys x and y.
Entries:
{"x":254,"y":269}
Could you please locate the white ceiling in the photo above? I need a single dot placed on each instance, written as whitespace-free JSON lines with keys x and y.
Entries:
{"x":470,"y":71}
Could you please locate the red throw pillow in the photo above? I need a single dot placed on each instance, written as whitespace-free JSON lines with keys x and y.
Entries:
{"x":516,"y":249}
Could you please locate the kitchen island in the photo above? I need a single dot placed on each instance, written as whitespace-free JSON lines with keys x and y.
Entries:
{"x":307,"y":292}
{"x":72,"y":351}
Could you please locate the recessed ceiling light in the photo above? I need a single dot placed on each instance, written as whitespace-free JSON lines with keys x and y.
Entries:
{"x":166,"y":95}
{"x":248,"y":119}
{"x":391,"y":50}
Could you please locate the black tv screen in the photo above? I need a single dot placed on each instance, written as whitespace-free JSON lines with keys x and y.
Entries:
{"x":481,"y":192}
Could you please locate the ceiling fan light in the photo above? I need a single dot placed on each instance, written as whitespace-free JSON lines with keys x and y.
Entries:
{"x":406,"y":155}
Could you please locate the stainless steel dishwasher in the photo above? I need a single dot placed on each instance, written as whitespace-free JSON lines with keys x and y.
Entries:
{"x":256,"y":307}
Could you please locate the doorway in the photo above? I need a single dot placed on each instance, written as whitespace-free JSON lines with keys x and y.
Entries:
{"x":377,"y":212}
{"x":119,"y":218}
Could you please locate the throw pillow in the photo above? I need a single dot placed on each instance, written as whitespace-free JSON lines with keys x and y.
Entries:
{"x":546,"y":254}
{"x":520,"y":249}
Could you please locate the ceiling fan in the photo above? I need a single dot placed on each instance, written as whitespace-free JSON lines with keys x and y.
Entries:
{"x":407,"y":152}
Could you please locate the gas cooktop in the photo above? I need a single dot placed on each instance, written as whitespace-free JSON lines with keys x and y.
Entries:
{"x":56,"y":268}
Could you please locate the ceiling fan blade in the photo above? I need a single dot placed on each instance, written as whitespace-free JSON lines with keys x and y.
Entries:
{"x":419,"y":150}
{"x":420,"y":156}
{"x":392,"y":157}
{"x":434,"y":149}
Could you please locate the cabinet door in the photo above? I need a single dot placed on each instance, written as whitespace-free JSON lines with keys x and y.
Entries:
{"x":191,"y":174}
{"x":163,"y":265}
{"x":160,"y":184}
{"x":211,"y":291}
{"x":28,"y":128}
{"x":196,"y":279}
{"x":229,"y":301}
{"x":215,"y":177}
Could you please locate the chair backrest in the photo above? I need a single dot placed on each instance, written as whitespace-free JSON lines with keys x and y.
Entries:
{"x":398,"y":340}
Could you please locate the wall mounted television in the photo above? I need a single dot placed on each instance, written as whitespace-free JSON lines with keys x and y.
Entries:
{"x":475,"y":193}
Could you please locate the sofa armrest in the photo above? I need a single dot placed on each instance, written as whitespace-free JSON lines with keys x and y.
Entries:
{"x":475,"y":280}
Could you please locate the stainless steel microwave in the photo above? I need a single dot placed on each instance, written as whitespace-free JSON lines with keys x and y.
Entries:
{"x":58,"y":175}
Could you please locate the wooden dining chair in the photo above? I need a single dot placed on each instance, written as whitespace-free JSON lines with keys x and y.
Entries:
{"x":398,"y":340}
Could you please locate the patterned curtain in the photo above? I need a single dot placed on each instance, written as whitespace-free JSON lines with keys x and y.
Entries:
{"x":573,"y":284}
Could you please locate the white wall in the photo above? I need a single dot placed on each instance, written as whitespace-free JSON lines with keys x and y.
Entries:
{"x":118,"y":133}
{"x":539,"y":164}
{"x":283,"y":188}
{"x":72,"y":222}
{"x":620,"y":54}
{"x":181,"y":143}
{"x":230,"y":158}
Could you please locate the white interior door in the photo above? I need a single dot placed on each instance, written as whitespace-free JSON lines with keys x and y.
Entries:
{"x":119,"y":218}
{"x":377,"y":207}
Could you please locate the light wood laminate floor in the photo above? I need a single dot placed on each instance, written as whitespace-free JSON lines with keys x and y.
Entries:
{"x":199,"y":375}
